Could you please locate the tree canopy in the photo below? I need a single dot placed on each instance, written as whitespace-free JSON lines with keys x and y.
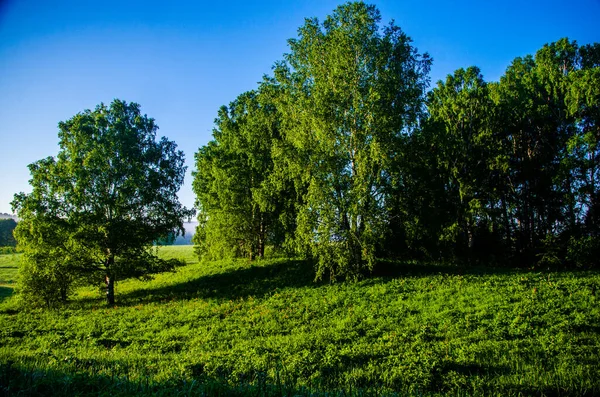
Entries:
{"x":97,"y":206}
{"x":353,"y":89}
{"x":330,"y":123}
{"x":517,"y":159}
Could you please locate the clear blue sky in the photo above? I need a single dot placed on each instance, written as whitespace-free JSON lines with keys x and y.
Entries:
{"x":182,"y":60}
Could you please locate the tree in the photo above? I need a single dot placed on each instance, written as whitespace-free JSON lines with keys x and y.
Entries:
{"x":546,"y":129}
{"x":351,"y":92}
{"x":6,"y":232}
{"x":241,"y":204}
{"x":459,"y":132}
{"x":509,"y":169}
{"x":51,"y":260}
{"x":583,"y":102}
{"x":96,"y":208}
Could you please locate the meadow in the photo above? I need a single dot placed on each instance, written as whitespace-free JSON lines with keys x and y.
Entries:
{"x":266,"y":328}
{"x":8,"y":273}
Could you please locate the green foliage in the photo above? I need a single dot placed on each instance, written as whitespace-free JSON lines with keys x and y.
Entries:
{"x":450,"y":187}
{"x":43,"y":283}
{"x":505,"y":171}
{"x":551,"y":188}
{"x":50,"y":261}
{"x":242,"y":204}
{"x":265,"y":328}
{"x":8,"y":250}
{"x":465,"y":150}
{"x":483,"y":172}
{"x":583,"y":252}
{"x":110,"y":192}
{"x":351,"y":90}
{"x":6,"y":232}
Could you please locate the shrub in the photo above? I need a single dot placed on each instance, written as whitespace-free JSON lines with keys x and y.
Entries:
{"x":583,"y":252}
{"x":43,"y":282}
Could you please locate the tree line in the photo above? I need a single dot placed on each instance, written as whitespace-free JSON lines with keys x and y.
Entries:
{"x":342,"y":155}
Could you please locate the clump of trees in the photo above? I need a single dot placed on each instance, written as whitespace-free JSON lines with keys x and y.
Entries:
{"x":516,"y":161}
{"x":307,"y":161}
{"x":243,"y":205}
{"x":96,"y":208}
{"x":343,"y":156}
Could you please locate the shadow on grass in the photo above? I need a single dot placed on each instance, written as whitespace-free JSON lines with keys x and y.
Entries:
{"x":84,"y":379}
{"x":90,"y":377}
{"x":5,"y":292}
{"x":97,"y":378}
{"x":396,"y":269}
{"x":262,"y":278}
{"x":256,"y":280}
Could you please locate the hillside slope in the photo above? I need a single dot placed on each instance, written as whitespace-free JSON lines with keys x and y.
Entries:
{"x":266,"y":328}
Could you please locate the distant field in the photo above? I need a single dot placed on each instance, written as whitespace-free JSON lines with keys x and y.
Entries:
{"x":265,"y":328}
{"x":185,"y":252}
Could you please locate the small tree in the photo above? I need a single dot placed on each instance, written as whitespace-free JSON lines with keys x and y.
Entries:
{"x":48,"y":270}
{"x":99,"y":205}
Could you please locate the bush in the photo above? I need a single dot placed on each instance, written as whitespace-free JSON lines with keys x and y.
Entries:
{"x":583,"y":252}
{"x":43,"y":282}
{"x":551,"y":252}
{"x":7,"y":250}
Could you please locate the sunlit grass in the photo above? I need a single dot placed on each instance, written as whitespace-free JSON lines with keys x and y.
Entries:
{"x":8,"y":268}
{"x":8,"y":274}
{"x":265,"y":328}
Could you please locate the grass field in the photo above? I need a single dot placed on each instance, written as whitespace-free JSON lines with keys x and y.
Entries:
{"x":265,"y":328}
{"x":8,"y":274}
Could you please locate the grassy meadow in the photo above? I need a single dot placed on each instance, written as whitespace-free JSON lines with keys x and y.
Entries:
{"x":265,"y":328}
{"x":8,"y":273}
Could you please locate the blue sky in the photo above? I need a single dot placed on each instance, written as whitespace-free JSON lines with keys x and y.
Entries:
{"x":182,"y":60}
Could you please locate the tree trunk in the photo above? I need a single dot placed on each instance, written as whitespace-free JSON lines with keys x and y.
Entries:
{"x":261,"y":238}
{"x":252,"y":241}
{"x":110,"y":290}
{"x":110,"y":280}
{"x":591,"y":216}
{"x":63,"y":294}
{"x":470,"y":238}
{"x":507,"y":226}
{"x":571,"y":205}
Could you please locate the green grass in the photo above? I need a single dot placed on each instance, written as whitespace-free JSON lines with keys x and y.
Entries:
{"x":265,"y":328}
{"x":8,"y":274}
{"x":184,"y":252}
